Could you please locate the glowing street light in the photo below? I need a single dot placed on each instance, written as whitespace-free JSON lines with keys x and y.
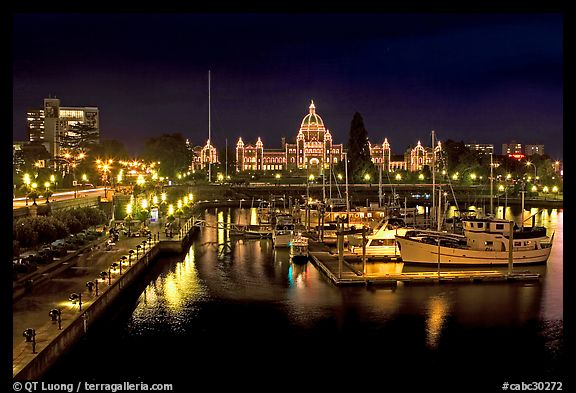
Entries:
{"x":421,"y":176}
{"x":155,"y":200}
{"x":528,"y":163}
{"x":398,"y":176}
{"x":367,"y":177}
{"x":163,"y":197}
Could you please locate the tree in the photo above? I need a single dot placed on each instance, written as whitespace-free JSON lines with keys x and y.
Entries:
{"x":359,"y":160}
{"x":109,"y":148}
{"x":171,"y":151}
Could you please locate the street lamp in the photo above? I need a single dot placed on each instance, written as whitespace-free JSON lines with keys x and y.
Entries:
{"x":528,"y":163}
{"x":47,"y":191}
{"x":34,"y":195}
{"x":30,"y":336}
{"x":130,"y":257}
{"x":129,"y":217}
{"x":76,"y":297}
{"x":56,"y":315}
{"x":138,"y":247}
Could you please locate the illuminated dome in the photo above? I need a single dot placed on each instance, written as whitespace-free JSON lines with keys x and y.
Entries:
{"x":312,"y":125}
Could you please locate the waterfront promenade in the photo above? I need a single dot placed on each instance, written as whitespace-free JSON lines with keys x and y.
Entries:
{"x":31,"y":310}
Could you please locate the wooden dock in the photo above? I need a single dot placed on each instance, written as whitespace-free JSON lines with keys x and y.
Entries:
{"x":346,"y":274}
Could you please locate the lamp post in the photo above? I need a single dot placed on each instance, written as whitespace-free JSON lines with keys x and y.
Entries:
{"x":129,"y":217}
{"x":27,"y":182}
{"x":30,"y":336}
{"x":76,"y":297}
{"x":130,"y":257}
{"x":56,"y":315}
{"x":138,"y":247}
{"x":528,"y":163}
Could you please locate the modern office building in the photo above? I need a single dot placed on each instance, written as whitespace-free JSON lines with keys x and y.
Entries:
{"x":530,"y":150}
{"x":482,"y":148}
{"x":63,"y":129}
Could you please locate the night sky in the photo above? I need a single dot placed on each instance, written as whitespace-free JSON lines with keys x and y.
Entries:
{"x":483,"y":77}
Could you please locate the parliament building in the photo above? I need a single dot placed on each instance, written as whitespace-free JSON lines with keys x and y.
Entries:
{"x":314,"y":150}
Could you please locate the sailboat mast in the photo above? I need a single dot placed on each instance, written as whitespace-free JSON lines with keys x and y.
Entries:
{"x":380,"y":184}
{"x":347,"y":197}
{"x":209,"y":135}
{"x":491,"y":186}
{"x":433,"y":177}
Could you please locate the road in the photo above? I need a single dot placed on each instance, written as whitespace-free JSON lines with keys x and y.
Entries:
{"x":61,"y":196}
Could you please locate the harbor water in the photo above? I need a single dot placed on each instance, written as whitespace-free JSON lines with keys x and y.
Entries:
{"x":236,"y":313}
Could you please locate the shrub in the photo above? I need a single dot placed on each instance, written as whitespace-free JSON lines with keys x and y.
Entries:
{"x":15,"y":249}
{"x":23,"y":231}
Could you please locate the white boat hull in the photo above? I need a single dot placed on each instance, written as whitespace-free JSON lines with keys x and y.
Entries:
{"x":413,"y":251}
{"x":378,"y":251}
{"x":282,"y":240}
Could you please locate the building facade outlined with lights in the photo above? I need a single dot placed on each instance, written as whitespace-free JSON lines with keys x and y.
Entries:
{"x":314,"y":151}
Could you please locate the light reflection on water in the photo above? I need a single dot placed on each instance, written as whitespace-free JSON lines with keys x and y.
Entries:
{"x":221,"y":267}
{"x":242,"y":290}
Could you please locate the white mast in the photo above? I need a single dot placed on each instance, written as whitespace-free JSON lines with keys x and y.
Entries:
{"x":433,"y":177}
{"x":347,"y":198}
{"x":491,"y":186}
{"x":380,"y":182}
{"x":209,"y":135}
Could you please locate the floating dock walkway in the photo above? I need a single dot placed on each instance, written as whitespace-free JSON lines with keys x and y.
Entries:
{"x":346,"y":274}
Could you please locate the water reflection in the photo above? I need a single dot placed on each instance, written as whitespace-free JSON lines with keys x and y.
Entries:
{"x":438,"y":308}
{"x":170,"y":297}
{"x":253,"y":301}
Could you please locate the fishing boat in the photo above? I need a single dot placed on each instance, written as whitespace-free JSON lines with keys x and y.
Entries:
{"x":486,"y":241}
{"x":284,"y":230}
{"x":299,"y":249}
{"x":382,"y":244}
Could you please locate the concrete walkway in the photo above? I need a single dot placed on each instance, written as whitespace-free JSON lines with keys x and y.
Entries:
{"x":32,"y":309}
